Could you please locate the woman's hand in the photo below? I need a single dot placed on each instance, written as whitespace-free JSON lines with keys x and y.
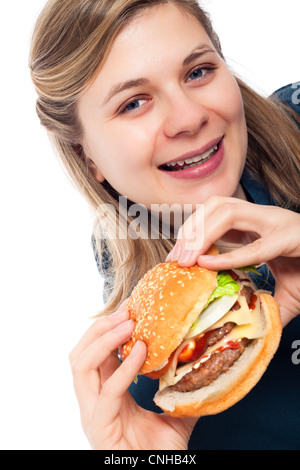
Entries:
{"x":110,"y":417}
{"x":268,"y":234}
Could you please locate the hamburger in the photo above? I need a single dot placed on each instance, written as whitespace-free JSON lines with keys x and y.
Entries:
{"x":210,"y":336}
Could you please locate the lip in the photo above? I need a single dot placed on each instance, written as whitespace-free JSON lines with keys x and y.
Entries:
{"x":203,"y":170}
{"x":195,"y":153}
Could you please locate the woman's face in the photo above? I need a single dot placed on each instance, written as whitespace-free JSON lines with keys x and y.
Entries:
{"x":164,"y":122}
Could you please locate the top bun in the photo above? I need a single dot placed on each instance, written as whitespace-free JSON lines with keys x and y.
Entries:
{"x":164,"y":305}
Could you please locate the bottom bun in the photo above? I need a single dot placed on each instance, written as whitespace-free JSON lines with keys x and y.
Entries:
{"x":231,"y":386}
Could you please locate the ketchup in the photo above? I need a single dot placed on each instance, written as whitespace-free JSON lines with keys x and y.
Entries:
{"x":194,"y":349}
{"x":252,"y":302}
{"x":229,"y":345}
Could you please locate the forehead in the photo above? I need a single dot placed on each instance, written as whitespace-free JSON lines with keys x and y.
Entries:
{"x":159,"y":30}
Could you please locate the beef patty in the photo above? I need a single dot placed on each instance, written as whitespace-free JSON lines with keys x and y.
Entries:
{"x":210,"y":370}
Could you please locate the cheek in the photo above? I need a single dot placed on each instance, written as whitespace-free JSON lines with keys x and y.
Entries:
{"x":231,"y":107}
{"x":135,"y":142}
{"x":227,"y":105}
{"x":235,"y":111}
{"x":128,"y":152}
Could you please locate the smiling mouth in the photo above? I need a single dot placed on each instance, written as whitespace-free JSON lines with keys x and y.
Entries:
{"x":189,"y":163}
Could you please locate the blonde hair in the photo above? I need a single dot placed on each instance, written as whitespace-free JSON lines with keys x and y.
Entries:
{"x":70,"y":43}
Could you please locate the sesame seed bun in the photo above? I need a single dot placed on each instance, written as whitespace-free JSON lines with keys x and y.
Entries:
{"x":164,"y":304}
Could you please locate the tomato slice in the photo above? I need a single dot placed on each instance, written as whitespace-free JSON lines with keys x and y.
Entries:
{"x":194,"y":349}
{"x":232,"y":274}
{"x":187,"y":353}
{"x":157,"y":374}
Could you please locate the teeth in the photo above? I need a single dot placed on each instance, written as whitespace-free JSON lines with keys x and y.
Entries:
{"x":196,"y":159}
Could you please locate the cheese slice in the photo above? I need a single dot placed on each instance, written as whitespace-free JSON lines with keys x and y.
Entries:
{"x":252,"y":330}
{"x":242,"y":316}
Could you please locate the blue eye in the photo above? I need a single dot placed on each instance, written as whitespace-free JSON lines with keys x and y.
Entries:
{"x":132,"y":106}
{"x":198,"y":73}
{"x":201,"y":73}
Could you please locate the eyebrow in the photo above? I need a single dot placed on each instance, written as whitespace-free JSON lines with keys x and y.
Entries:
{"x":120,"y":87}
{"x":125,"y":86}
{"x":196,"y":53}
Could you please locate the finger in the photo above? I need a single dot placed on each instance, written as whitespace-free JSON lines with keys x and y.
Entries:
{"x":260,"y":251}
{"x":109,"y":366}
{"x":230,"y":217}
{"x":97,"y":329}
{"x":275,"y":241}
{"x":98,"y":351}
{"x":86,"y":367}
{"x":192,"y":236}
{"x":115,"y":388}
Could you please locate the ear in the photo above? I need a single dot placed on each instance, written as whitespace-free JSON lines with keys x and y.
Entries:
{"x":95,"y":171}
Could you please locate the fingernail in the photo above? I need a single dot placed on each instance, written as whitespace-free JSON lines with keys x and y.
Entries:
{"x":136,"y":349}
{"x":120,"y":313}
{"x":127,"y":325}
{"x":175,"y":253}
{"x":185,"y":257}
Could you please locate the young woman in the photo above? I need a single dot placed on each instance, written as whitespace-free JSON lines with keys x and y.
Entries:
{"x":139,"y":102}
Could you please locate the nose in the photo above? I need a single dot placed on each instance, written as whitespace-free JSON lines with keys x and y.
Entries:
{"x":184,"y":115}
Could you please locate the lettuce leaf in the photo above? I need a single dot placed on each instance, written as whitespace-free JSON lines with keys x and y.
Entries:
{"x":226,"y":286}
{"x":250,"y":269}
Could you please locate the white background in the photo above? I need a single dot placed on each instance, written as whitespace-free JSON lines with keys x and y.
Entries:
{"x":50,"y":286}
